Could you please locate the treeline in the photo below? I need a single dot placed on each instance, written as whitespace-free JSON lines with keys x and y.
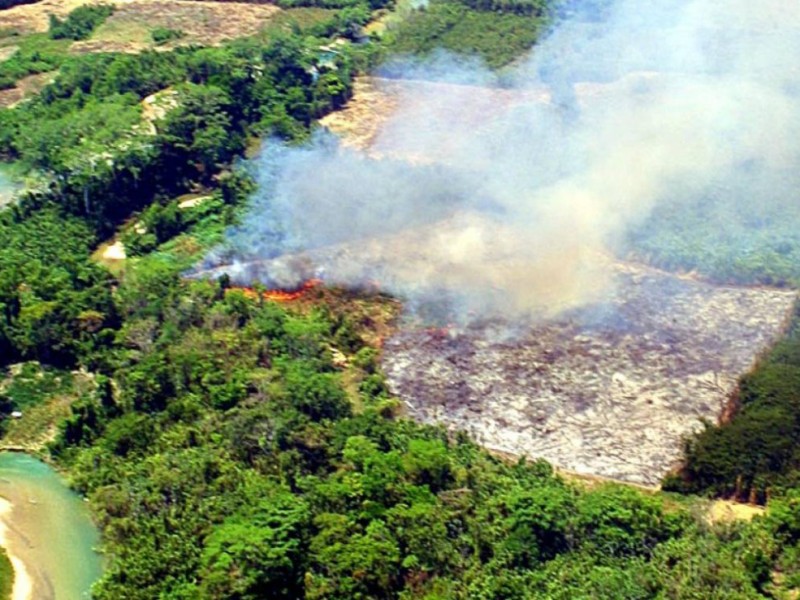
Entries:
{"x":228,"y":455}
{"x":85,"y":131}
{"x":97,"y":161}
{"x":757,"y":453}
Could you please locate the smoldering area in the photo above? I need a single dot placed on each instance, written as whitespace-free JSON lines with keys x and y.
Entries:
{"x":504,"y":205}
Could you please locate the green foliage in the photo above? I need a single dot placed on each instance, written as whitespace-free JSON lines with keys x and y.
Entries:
{"x":197,"y":133}
{"x":37,"y":54}
{"x":85,"y":130}
{"x":496,"y":35}
{"x":163,"y":35}
{"x":55,"y":306}
{"x":729,"y":240}
{"x":6,"y":575}
{"x":80,"y":23}
{"x":258,"y":553}
{"x":220,"y":450}
{"x":757,"y":451}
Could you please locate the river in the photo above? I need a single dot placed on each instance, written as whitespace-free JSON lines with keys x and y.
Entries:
{"x":48,"y":529}
{"x":7,"y":184}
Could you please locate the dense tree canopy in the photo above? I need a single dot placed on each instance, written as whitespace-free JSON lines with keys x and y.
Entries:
{"x":232,"y":447}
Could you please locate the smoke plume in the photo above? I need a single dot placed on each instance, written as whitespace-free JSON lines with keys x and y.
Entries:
{"x":510,"y":196}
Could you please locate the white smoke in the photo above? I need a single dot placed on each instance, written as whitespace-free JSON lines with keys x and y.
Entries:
{"x":510,"y":200}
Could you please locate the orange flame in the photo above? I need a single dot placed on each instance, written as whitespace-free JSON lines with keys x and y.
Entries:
{"x":281,"y":295}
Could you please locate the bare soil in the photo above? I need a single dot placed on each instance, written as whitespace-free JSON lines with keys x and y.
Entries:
{"x":128,"y":29}
{"x":209,"y":23}
{"x":610,"y":389}
{"x":26,"y":87}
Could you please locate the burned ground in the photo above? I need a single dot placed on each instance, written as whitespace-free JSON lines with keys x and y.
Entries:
{"x":609,"y":390}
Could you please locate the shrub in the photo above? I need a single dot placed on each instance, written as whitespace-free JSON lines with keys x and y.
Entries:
{"x":80,"y":23}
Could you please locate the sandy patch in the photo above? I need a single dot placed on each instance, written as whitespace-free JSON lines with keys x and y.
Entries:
{"x":193,"y":202}
{"x":727,"y":511}
{"x":8,"y":52}
{"x":115,"y":251}
{"x":23,"y":584}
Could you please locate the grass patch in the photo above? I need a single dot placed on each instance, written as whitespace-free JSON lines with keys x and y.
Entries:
{"x":303,"y":19}
{"x":37,"y":53}
{"x":495,"y":37}
{"x":6,"y":576}
{"x":124,"y":31}
{"x":30,"y":383}
{"x":44,"y":396}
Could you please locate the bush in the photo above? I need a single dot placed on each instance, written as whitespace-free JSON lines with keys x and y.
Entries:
{"x":80,"y":23}
{"x":162,"y":35}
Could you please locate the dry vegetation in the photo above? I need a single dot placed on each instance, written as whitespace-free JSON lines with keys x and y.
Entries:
{"x":376,"y":99}
{"x":129,"y":28}
{"x":33,"y":18}
{"x":39,"y":422}
{"x":609,"y":390}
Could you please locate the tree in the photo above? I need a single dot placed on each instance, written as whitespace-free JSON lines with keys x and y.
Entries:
{"x":259,"y":554}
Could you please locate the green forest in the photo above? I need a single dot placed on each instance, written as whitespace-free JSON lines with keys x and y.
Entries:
{"x":232,"y":447}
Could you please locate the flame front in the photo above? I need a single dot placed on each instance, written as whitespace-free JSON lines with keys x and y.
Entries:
{"x":281,"y":295}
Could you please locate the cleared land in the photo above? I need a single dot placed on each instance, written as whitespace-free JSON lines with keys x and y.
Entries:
{"x":129,"y":27}
{"x":610,"y":389}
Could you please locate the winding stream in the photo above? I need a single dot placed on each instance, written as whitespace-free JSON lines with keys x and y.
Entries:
{"x":49,"y":529}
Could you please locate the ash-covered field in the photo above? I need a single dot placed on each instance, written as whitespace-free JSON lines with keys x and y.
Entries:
{"x":610,"y":390}
{"x":510,"y":205}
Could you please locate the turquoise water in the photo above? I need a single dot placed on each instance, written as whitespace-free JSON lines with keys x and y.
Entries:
{"x":7,"y":184}
{"x":50,"y":529}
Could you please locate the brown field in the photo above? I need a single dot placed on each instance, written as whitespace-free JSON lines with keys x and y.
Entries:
{"x":128,"y":29}
{"x":375,"y":100}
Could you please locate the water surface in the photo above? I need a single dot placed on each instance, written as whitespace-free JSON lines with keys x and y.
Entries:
{"x":49,"y":529}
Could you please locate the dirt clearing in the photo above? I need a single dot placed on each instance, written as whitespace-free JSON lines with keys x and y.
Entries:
{"x":610,"y":389}
{"x":128,"y":29}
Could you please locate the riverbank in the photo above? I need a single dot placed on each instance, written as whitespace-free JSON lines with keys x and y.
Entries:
{"x":23,"y":583}
{"x":48,"y":532}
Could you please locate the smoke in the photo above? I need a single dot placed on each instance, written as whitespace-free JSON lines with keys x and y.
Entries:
{"x":511,"y":197}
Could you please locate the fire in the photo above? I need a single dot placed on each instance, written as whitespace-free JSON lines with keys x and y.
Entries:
{"x":281,"y":295}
